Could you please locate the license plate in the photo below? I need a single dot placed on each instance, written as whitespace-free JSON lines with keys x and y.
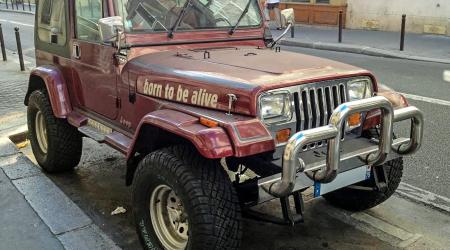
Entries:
{"x":342,"y":180}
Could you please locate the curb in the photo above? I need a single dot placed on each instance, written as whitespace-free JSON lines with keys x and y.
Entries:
{"x":358,"y":49}
{"x":18,"y":11}
{"x":30,"y":63}
{"x":65,"y":220}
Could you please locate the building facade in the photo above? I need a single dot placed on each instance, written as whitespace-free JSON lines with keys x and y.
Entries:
{"x":423,"y":16}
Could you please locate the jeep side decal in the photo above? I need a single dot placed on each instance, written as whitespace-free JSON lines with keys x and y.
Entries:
{"x":198,"y":97}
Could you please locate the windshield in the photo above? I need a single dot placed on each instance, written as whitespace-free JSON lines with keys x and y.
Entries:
{"x":160,"y":15}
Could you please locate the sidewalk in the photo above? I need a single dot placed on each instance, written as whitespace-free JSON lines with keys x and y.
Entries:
{"x":22,"y":8}
{"x":419,"y":47}
{"x":35,"y":213}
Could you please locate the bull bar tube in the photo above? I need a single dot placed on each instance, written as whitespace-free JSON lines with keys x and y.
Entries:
{"x":292,"y":163}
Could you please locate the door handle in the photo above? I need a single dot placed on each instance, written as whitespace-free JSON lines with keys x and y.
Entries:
{"x":76,"y":51}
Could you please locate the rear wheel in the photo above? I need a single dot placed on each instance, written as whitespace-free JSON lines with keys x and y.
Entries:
{"x":56,"y":144}
{"x":358,"y":200}
{"x":184,"y":201}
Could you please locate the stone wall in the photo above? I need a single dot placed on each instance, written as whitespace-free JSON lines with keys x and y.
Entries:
{"x":423,"y":16}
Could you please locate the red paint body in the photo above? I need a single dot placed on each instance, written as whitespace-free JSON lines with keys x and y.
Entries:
{"x":96,"y":86}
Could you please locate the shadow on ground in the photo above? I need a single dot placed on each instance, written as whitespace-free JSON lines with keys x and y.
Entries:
{"x":98,"y":186}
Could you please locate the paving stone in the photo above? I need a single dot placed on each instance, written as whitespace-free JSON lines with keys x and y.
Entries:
{"x":51,"y":204}
{"x":19,"y":166}
{"x":90,"y":237}
{"x":21,"y":227}
{"x":7,"y":147}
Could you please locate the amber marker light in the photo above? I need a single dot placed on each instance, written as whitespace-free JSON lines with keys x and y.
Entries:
{"x":208,"y":123}
{"x":354,"y":120}
{"x":283,"y":135}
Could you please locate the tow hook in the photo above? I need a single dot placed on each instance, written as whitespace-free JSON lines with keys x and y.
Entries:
{"x":381,"y":178}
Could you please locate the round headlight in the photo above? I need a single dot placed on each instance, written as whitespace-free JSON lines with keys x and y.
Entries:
{"x":359,"y":89}
{"x":276,"y":107}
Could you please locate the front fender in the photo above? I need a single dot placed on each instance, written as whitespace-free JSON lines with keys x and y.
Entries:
{"x":398,"y":101}
{"x":212,"y":143}
{"x":55,"y":84}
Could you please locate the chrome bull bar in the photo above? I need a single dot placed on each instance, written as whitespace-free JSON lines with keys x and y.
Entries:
{"x":292,"y":163}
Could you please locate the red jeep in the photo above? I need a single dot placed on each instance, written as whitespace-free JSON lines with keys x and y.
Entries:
{"x":212,"y":116}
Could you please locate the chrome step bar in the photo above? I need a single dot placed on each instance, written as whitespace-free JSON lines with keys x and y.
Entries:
{"x":292,"y":163}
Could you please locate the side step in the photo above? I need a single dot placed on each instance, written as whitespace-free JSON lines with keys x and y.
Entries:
{"x":95,"y":130}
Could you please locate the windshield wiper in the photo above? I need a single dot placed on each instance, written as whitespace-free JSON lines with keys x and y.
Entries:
{"x":232,"y":30}
{"x":183,"y":12}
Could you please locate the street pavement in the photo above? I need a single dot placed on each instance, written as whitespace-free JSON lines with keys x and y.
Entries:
{"x":25,"y":7}
{"x":97,"y":185}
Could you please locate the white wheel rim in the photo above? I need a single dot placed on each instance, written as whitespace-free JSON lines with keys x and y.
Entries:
{"x":41,"y":132}
{"x":168,"y":218}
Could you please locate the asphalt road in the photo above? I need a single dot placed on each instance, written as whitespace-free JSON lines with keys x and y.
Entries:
{"x":25,"y":23}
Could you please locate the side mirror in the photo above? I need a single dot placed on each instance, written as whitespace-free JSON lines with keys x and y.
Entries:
{"x":288,"y":16}
{"x":110,"y":29}
{"x":447,"y":75}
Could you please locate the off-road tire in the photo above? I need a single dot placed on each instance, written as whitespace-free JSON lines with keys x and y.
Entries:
{"x":208,"y":197}
{"x":64,"y":141}
{"x":359,"y":200}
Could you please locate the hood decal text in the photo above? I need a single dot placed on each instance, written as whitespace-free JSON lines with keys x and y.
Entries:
{"x":200,"y":97}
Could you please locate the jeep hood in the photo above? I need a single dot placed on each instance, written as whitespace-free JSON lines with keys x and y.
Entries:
{"x":242,"y":71}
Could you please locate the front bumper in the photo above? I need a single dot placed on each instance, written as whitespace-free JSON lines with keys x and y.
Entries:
{"x":296,"y":173}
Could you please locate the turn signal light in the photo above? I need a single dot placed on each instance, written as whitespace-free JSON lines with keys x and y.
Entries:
{"x":208,"y":123}
{"x":354,"y":120}
{"x":283,"y":135}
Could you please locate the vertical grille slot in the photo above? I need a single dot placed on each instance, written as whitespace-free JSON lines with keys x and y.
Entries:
{"x":329,"y":103}
{"x":322,"y":108}
{"x":343,"y":94}
{"x":306,"y":111}
{"x":298,"y":113}
{"x":335,"y":97}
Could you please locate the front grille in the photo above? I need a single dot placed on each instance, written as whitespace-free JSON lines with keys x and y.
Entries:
{"x":314,"y":104}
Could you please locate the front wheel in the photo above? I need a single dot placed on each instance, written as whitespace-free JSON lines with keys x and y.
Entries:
{"x":184,"y":201}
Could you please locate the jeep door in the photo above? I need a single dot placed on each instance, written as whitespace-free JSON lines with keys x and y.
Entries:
{"x":94,"y":71}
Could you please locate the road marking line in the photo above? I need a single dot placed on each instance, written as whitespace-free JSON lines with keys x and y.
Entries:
{"x":18,"y":23}
{"x":426,"y":99}
{"x":424,"y":196}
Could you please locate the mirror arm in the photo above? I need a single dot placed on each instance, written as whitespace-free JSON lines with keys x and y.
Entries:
{"x":271,"y":45}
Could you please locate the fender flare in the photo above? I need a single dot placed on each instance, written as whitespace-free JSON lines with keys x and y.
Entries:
{"x":211,"y":143}
{"x":398,"y":101}
{"x":56,"y":87}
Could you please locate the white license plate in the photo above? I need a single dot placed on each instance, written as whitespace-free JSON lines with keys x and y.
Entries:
{"x":342,"y":180}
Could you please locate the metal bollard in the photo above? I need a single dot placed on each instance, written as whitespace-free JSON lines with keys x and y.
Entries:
{"x":402,"y":34}
{"x":292,"y":31}
{"x":23,"y":5}
{"x":7,"y":6}
{"x":29,"y":4}
{"x":17,"y":4}
{"x":2,"y":43}
{"x":340,"y":26}
{"x":19,"y":49}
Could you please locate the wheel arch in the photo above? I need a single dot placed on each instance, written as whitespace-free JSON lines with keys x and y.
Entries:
{"x":52,"y":80}
{"x":164,"y":128}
